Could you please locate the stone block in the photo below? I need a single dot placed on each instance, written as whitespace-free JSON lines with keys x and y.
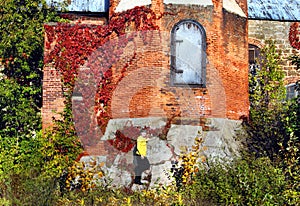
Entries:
{"x":182,"y":137}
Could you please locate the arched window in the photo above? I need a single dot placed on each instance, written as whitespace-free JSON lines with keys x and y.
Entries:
{"x":188,"y":54}
{"x":254,"y":59}
{"x":291,"y":91}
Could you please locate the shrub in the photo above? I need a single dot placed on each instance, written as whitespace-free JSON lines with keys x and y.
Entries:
{"x":253,"y":182}
{"x":290,"y":152}
{"x":267,"y":92}
{"x":32,"y":162}
{"x":184,"y":170}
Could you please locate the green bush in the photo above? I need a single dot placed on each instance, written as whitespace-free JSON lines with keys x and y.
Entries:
{"x":32,"y":162}
{"x":274,"y":126}
{"x":253,"y":182}
{"x":290,"y":147}
{"x":22,"y":43}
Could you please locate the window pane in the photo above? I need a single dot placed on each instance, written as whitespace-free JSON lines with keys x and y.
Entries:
{"x":188,"y":42}
{"x":291,"y":91}
{"x":254,"y":55}
{"x":251,"y":56}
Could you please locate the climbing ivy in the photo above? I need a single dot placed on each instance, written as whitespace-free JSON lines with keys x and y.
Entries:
{"x":76,"y":43}
{"x":294,"y":35}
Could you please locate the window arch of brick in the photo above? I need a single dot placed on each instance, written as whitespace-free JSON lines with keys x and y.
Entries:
{"x":256,"y":42}
{"x":254,"y":54}
{"x":188,"y":54}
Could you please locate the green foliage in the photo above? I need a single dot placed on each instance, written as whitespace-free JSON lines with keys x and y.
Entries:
{"x":21,"y":142}
{"x":61,"y":146}
{"x":266,"y":85}
{"x":29,"y":189}
{"x":274,"y":128}
{"x":123,"y":196}
{"x":21,"y":42}
{"x":18,"y":126}
{"x":31,"y":171}
{"x":290,"y":152}
{"x":243,"y":182}
{"x":20,"y":164}
{"x":267,"y":93}
{"x":31,"y":162}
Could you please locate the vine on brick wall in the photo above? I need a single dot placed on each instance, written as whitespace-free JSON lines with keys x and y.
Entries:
{"x":125,"y":138}
{"x":121,"y":142}
{"x":294,"y":35}
{"x":104,"y":94}
{"x":74,"y":44}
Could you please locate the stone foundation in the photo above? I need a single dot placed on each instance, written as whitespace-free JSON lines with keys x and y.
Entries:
{"x":219,"y":141}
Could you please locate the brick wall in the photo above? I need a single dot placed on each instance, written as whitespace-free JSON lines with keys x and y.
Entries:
{"x":146,"y":91}
{"x":226,"y":53}
{"x":260,"y":31}
{"x":52,"y":96}
{"x":53,"y":100}
{"x":235,"y":68}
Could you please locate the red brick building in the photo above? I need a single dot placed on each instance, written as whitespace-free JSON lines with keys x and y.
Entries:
{"x":193,"y":66}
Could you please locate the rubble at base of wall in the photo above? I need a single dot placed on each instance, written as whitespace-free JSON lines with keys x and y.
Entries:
{"x":221,"y":145}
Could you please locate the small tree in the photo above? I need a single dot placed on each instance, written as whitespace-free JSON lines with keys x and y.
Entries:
{"x":21,"y":56}
{"x":267,"y":93}
{"x":21,"y":43}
